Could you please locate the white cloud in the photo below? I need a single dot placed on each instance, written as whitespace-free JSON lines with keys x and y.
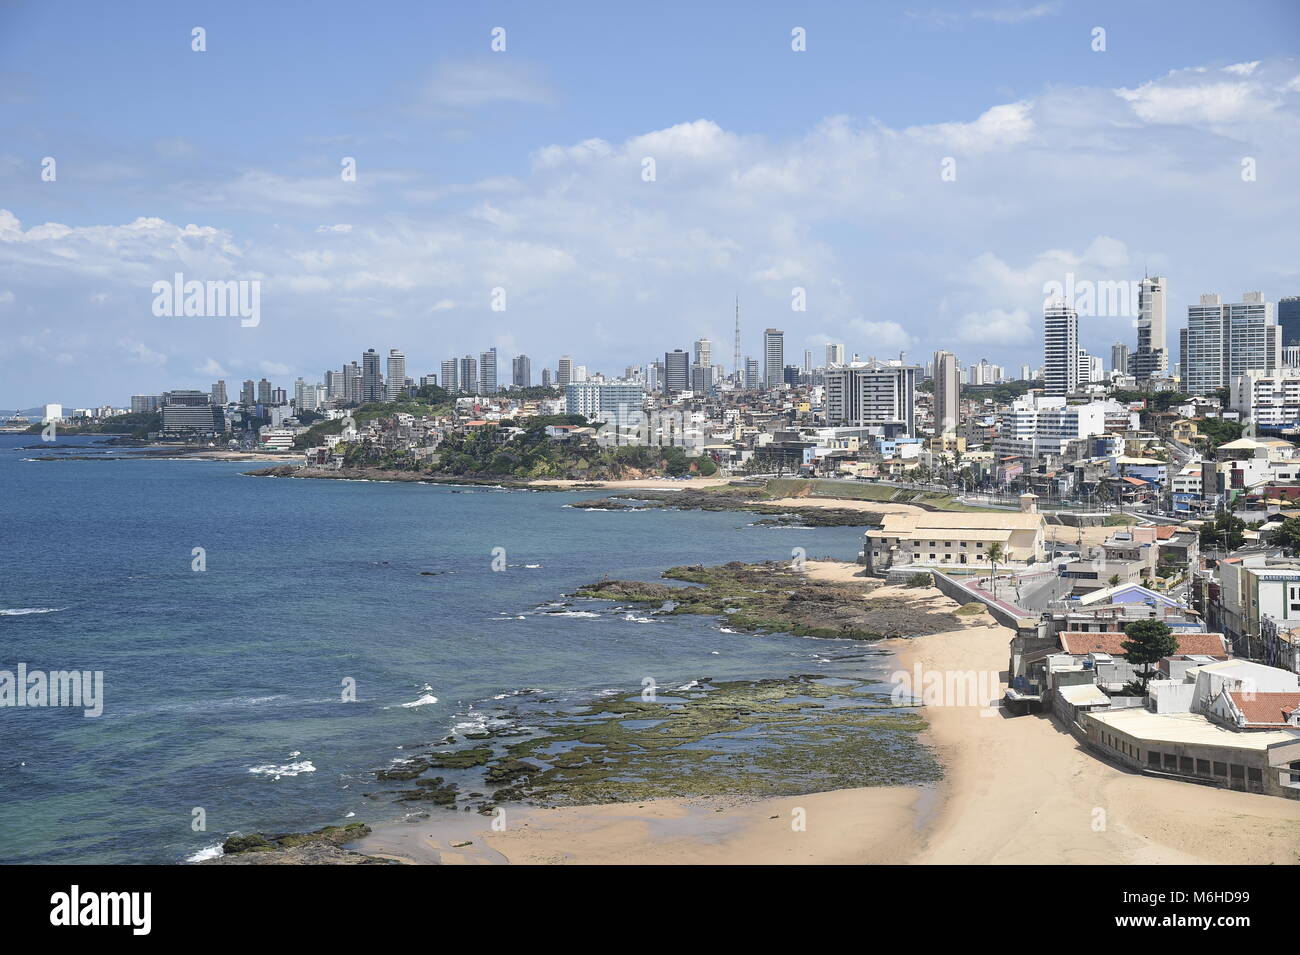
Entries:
{"x":469,"y":84}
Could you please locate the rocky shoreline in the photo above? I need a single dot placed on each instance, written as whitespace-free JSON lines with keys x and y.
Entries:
{"x":775,"y":597}
{"x":321,"y":847}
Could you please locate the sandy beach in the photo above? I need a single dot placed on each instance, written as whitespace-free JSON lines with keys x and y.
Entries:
{"x":1016,"y":790}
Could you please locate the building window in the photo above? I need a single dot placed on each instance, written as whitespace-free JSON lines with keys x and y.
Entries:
{"x":1185,"y":764}
{"x":1153,"y":758}
{"x":1202,"y":767}
{"x":1220,"y":769}
{"x":1171,"y":761}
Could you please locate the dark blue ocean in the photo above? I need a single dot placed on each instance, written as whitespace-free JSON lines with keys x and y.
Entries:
{"x":223,"y":687}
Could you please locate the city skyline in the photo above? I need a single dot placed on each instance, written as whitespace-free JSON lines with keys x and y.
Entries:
{"x":523,"y":171}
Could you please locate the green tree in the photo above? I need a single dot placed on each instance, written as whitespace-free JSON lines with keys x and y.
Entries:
{"x":1148,"y":642}
{"x":994,"y":555}
{"x":1288,"y":535}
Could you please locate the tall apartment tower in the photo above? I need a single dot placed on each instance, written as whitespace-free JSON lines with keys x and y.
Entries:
{"x":1119,"y":358}
{"x":564,"y":371}
{"x":947,"y":392}
{"x":396,"y":375}
{"x":521,"y":372}
{"x":372,"y":379}
{"x":219,"y":392}
{"x":751,"y":373}
{"x":469,"y":374}
{"x":1223,"y":340}
{"x":248,"y":394}
{"x":487,"y":371}
{"x":834,"y":355}
{"x":773,"y":357}
{"x":450,"y":376}
{"x":1060,"y":349}
{"x":1151,"y":360}
{"x":676,"y":371}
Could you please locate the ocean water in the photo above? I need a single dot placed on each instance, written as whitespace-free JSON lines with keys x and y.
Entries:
{"x":223,"y":687}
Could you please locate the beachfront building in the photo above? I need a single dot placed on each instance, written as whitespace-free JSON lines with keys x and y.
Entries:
{"x":954,"y":540}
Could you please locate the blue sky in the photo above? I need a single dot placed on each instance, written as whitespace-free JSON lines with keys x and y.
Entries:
{"x":521,"y":169}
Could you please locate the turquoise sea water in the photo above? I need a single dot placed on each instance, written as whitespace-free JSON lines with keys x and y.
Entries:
{"x":223,"y":687}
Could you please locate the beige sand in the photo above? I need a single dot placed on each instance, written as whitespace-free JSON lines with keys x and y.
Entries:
{"x":1016,"y":790}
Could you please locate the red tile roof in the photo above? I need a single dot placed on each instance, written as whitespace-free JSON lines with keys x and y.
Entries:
{"x":1078,"y":644}
{"x":1266,"y":709}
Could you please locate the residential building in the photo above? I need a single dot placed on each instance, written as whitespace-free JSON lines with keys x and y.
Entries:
{"x":773,"y":358}
{"x":873,"y":394}
{"x":1060,"y":349}
{"x":947,"y":392}
{"x":1151,"y":358}
{"x":451,"y":375}
{"x":564,"y":371}
{"x":487,"y":372}
{"x":372,"y":379}
{"x":468,"y":376}
{"x":612,"y":403}
{"x":1223,"y":340}
{"x":954,"y":539}
{"x":521,"y":372}
{"x":396,"y":375}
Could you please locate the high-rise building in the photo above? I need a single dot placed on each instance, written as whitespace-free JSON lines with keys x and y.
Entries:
{"x":1223,"y":340}
{"x":564,"y":371}
{"x":1151,"y":360}
{"x":263,"y":392}
{"x":872,"y":394}
{"x":807,"y":361}
{"x":372,"y":379}
{"x":703,"y":352}
{"x":450,"y":376}
{"x":468,"y":374}
{"x":146,"y":404}
{"x":752,"y":380}
{"x":1288,"y":319}
{"x":701,"y":379}
{"x":676,"y":371}
{"x":947,"y":392}
{"x":546,"y":377}
{"x":611,"y":403}
{"x":521,"y":372}
{"x":248,"y":394}
{"x":834,"y":355}
{"x":487,"y":371}
{"x":396,"y":375}
{"x":1060,"y":349}
{"x":219,"y":392}
{"x":773,"y":357}
{"x":1119,"y":358}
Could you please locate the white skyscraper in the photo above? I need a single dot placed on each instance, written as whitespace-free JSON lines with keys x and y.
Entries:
{"x":773,"y":357}
{"x":1060,"y":349}
{"x":396,"y":374}
{"x":834,"y":354}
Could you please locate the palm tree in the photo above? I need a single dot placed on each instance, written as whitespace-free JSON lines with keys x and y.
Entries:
{"x":995,"y":555}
